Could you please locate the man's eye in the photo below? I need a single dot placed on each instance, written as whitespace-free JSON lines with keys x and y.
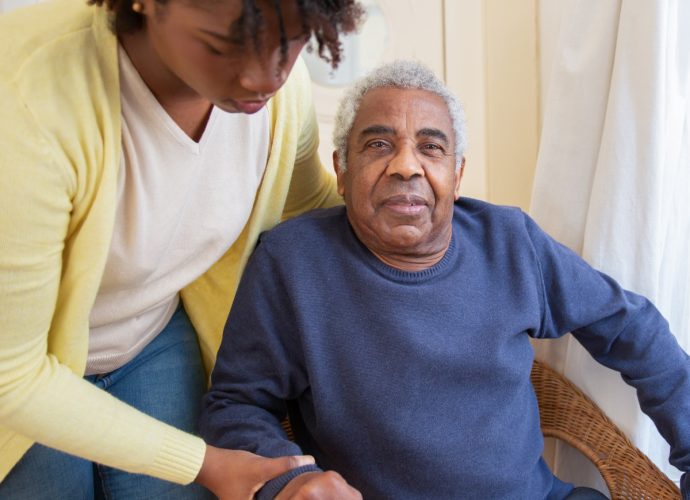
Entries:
{"x":377,"y":144}
{"x":432,"y":149}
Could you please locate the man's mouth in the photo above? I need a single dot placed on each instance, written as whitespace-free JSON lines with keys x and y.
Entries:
{"x":406,"y":204}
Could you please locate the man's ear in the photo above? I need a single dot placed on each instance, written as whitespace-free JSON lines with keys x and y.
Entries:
{"x":338,"y":174}
{"x":458,"y":178}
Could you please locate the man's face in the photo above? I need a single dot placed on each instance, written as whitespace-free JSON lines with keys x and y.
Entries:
{"x":401,"y":180}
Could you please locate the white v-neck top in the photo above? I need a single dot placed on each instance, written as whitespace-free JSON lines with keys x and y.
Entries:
{"x":181,"y":205}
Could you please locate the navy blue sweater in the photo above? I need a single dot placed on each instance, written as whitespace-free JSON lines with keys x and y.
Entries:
{"x":417,"y":385}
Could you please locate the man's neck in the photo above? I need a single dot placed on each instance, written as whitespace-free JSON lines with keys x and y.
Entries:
{"x":415,"y":261}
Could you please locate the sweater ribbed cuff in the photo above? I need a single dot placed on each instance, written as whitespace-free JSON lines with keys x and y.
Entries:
{"x":273,"y":487}
{"x":180,"y":458}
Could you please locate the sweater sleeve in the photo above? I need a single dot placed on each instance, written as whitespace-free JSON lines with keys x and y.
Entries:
{"x":41,"y":398}
{"x":259,"y":367}
{"x":623,"y":331}
{"x":271,"y":489}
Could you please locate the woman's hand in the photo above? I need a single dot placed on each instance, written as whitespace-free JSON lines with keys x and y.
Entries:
{"x":319,"y":486}
{"x":238,"y":475}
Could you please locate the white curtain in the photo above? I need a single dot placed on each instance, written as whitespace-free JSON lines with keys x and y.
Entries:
{"x":613,"y":180}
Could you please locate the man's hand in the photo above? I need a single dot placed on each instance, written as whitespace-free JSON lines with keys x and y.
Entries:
{"x":319,"y":486}
{"x":237,"y":475}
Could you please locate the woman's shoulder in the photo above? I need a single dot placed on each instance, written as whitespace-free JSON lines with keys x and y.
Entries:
{"x":56,"y":57}
{"x":58,"y":69}
{"x":50,"y":37}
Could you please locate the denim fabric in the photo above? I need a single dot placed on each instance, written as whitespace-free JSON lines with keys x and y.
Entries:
{"x":166,"y":380}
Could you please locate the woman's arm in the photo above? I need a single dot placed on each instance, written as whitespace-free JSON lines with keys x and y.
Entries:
{"x":42,"y":396}
{"x":312,"y":184}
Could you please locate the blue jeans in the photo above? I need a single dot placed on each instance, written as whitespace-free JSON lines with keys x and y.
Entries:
{"x":167,"y":381}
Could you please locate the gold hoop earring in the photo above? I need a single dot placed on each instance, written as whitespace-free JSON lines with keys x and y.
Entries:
{"x":137,"y":7}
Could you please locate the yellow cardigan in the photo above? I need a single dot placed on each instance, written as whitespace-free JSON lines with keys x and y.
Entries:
{"x":60,"y":149}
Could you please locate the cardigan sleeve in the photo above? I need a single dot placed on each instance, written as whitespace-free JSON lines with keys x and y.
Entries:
{"x":41,"y":398}
{"x":312,"y":185}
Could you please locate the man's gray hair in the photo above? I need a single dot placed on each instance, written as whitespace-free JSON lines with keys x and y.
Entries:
{"x":398,"y":74}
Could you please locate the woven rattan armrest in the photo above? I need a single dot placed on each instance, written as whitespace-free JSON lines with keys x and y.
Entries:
{"x":567,"y":414}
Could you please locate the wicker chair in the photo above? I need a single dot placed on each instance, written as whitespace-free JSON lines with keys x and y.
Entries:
{"x":567,"y":414}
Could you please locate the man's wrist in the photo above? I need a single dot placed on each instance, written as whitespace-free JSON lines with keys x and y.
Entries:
{"x":271,"y":489}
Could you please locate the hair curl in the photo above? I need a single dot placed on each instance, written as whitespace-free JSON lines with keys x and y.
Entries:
{"x":326,"y":20}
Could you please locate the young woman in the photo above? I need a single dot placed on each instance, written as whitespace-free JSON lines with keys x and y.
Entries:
{"x":145,"y":145}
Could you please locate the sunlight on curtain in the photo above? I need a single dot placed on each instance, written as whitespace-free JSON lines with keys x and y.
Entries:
{"x":613,"y":179}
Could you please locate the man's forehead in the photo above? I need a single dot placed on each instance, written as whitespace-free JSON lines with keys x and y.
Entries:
{"x":399,"y":95}
{"x":384,"y":108}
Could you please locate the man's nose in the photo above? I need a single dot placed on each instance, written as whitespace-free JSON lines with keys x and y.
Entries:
{"x":262,"y":77}
{"x":405,"y":163}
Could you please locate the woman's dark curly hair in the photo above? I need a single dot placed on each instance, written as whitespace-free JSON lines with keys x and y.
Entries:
{"x":325,"y":19}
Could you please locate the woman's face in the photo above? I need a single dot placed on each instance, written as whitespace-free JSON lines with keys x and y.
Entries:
{"x":193,"y":39}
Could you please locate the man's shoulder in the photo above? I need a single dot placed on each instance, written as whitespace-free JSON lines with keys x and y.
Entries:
{"x":498,"y":225}
{"x":471,"y":210}
{"x":306,"y":230}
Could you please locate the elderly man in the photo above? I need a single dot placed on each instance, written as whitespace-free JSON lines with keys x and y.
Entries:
{"x":395,"y":330}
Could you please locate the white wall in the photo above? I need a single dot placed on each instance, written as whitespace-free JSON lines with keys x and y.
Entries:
{"x":487,"y":52}
{"x":492,"y":65}
{"x":7,"y":5}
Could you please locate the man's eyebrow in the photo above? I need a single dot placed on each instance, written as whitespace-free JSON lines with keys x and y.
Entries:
{"x":433,"y":132}
{"x":377,"y":130}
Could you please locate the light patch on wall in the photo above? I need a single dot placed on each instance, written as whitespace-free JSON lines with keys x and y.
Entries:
{"x":362,"y":51}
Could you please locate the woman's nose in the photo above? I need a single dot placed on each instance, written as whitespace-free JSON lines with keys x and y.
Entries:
{"x":262,"y":77}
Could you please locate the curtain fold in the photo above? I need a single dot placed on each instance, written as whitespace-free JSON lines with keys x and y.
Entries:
{"x":613,"y":180}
